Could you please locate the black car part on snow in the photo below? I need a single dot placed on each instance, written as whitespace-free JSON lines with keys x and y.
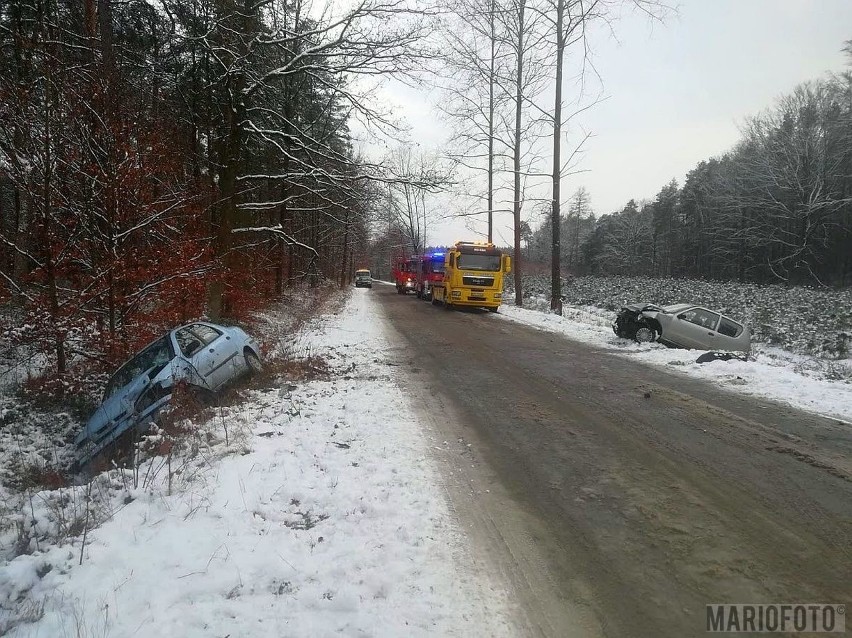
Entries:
{"x":630,"y":319}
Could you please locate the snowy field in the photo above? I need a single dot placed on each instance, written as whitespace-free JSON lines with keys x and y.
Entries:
{"x":308,"y":510}
{"x":798,"y":380}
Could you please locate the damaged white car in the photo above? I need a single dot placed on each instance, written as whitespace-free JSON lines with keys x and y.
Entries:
{"x":682,"y":326}
{"x":206,"y":356}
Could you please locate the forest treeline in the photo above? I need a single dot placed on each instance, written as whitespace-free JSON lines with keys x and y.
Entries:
{"x":160,"y":161}
{"x":164,"y":160}
{"x":776,"y":208}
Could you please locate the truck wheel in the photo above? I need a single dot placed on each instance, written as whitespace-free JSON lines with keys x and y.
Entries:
{"x":492,"y":309}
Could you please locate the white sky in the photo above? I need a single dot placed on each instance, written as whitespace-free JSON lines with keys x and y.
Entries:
{"x":676,"y":93}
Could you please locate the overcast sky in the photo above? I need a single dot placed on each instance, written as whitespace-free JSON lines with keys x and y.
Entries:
{"x":675,"y":93}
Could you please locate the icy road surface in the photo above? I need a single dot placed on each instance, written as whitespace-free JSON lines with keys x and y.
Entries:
{"x":620,"y":497}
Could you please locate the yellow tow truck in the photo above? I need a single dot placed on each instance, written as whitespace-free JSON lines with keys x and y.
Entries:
{"x":473,"y":276}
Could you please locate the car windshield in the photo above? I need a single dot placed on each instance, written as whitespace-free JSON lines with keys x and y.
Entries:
{"x":157,"y":355}
{"x":490,"y":263}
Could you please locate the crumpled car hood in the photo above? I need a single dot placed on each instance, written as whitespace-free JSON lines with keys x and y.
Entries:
{"x":114,"y":409}
{"x":640,"y":307}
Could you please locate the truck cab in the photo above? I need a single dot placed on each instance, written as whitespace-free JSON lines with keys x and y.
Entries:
{"x":405,"y":273}
{"x":430,"y":272}
{"x":473,"y":276}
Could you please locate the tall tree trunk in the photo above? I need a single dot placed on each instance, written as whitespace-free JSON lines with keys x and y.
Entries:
{"x":555,"y":255}
{"x":519,"y":297}
{"x":105,"y":23}
{"x":344,"y":265}
{"x":21,"y":204}
{"x":47,"y":188}
{"x":225,"y":214}
{"x":491,"y":82}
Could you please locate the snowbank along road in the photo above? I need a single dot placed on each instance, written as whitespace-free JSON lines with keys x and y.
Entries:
{"x":309,"y":509}
{"x":618,"y":499}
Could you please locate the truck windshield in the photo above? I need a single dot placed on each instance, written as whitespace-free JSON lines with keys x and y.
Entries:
{"x":438,"y":266}
{"x":490,"y":263}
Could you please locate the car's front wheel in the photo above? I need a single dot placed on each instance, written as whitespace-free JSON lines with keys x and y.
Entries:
{"x":645,"y":334}
{"x":253,"y":363}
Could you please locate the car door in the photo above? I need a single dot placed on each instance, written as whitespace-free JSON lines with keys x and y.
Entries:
{"x":695,"y":328}
{"x":215,"y":361}
{"x":190,"y":347}
{"x":732,"y":336}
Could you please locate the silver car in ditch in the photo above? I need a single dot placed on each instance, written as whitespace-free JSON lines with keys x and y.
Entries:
{"x":683,"y":326}
{"x":205,"y":356}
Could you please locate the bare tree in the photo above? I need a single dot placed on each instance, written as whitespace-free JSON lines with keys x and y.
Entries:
{"x":569,"y":19}
{"x":521,"y":29}
{"x":416,"y":175}
{"x":473,"y":59}
{"x":339,"y":54}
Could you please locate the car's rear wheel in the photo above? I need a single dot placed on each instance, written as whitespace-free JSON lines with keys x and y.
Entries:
{"x":645,"y":334}
{"x":253,"y":362}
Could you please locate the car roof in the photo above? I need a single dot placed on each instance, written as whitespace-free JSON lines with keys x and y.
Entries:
{"x":674,"y":309}
{"x":167,"y":334}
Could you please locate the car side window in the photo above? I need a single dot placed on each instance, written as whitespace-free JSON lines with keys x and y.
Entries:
{"x":730,"y":328}
{"x":188,"y":342}
{"x":701,"y":317}
{"x":207,"y":334}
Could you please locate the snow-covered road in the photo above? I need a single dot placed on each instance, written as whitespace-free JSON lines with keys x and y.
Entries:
{"x":325,"y":517}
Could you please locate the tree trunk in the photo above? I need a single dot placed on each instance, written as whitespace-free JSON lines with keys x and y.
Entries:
{"x":225,"y":215}
{"x":491,"y":82}
{"x":343,"y":268}
{"x":519,"y":297}
{"x":556,"y":256}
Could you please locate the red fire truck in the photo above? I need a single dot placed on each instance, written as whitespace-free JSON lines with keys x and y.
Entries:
{"x":404,"y":270}
{"x":430,"y":271}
